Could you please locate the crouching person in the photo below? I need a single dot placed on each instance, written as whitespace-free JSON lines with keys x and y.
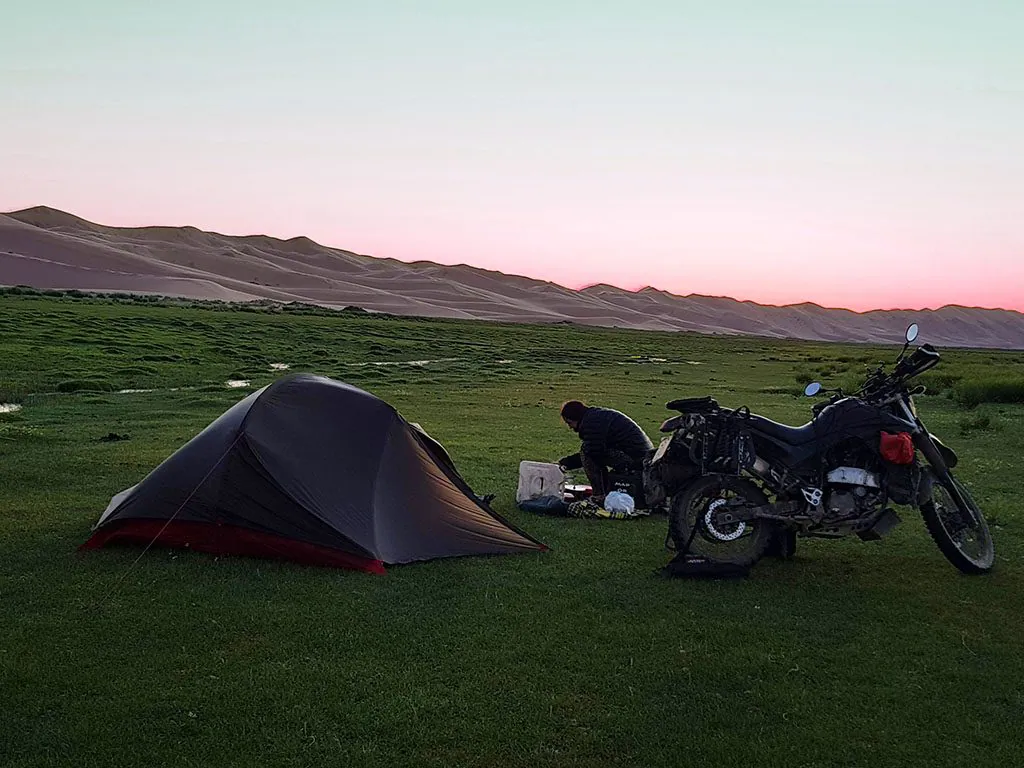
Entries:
{"x":610,"y":441}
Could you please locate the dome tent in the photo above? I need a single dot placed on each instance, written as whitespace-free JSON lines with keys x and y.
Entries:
{"x":313,"y":470}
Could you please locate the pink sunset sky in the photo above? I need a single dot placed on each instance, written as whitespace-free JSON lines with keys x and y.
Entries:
{"x":779,"y":152}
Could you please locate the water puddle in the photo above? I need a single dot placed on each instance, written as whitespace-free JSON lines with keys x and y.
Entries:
{"x":9,"y":407}
{"x":133,"y":391}
{"x":279,"y":366}
{"x":237,"y":383}
{"x":412,"y":363}
{"x":505,"y":362}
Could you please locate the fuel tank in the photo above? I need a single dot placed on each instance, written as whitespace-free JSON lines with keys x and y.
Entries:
{"x":844,"y":419}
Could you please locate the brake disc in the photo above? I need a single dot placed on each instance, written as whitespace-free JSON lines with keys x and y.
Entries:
{"x":731,"y":532}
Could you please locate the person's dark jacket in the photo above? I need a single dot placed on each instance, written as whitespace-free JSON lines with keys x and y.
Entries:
{"x":603,"y":430}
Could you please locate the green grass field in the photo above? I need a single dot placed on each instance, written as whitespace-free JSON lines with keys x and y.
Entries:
{"x":852,"y":654}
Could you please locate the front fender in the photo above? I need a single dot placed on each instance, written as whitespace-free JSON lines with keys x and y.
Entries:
{"x":936,"y":454}
{"x":948,"y":454}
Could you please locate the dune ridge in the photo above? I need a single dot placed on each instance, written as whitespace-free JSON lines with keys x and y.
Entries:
{"x":47,"y":248}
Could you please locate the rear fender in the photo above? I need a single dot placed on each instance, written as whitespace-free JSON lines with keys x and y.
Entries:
{"x":693,"y":405}
{"x":676,"y":422}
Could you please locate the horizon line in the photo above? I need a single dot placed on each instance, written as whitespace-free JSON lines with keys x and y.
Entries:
{"x":577,"y":289}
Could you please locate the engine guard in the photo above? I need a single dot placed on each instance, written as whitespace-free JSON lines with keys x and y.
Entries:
{"x":882,"y":526}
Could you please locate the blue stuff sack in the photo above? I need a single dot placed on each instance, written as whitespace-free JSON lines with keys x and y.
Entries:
{"x":545,"y":505}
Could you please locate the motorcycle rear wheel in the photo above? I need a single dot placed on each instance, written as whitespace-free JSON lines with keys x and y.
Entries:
{"x":742,"y":543}
{"x":967,"y":546}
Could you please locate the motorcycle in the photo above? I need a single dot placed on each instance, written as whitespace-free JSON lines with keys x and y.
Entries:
{"x":737,"y":484}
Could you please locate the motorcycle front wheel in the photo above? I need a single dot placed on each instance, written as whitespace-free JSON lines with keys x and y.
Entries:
{"x":692,"y":521}
{"x":966,"y":545}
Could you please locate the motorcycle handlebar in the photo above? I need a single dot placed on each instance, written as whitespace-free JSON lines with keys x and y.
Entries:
{"x":880,"y":385}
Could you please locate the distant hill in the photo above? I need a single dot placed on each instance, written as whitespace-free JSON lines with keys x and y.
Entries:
{"x":47,"y":248}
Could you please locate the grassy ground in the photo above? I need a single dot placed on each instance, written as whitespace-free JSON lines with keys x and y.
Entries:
{"x":852,"y":654}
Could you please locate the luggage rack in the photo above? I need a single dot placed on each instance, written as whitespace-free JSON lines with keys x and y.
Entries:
{"x":720,"y":440}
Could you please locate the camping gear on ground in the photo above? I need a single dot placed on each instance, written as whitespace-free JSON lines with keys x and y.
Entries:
{"x":538,"y":479}
{"x":584,"y":508}
{"x":545,"y":505}
{"x":580,"y":489}
{"x":617,"y":501}
{"x":631,"y":483}
{"x":317,"y":471}
{"x":577,"y":492}
{"x":588,"y":508}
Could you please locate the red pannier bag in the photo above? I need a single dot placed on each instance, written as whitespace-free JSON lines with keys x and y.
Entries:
{"x":898,"y":448}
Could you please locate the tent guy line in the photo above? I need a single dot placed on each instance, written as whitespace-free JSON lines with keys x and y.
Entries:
{"x":117,"y":585}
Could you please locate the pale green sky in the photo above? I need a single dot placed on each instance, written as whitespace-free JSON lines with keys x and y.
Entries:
{"x":766,"y":150}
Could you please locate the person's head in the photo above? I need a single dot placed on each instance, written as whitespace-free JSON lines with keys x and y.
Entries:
{"x":572,"y":413}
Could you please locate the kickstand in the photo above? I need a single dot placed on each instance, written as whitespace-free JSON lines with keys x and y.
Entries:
{"x":686,"y":550}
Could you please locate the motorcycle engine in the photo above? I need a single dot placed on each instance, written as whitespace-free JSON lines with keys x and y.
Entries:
{"x":852,"y":492}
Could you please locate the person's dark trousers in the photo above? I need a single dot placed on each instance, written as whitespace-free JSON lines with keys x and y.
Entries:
{"x":597,"y":471}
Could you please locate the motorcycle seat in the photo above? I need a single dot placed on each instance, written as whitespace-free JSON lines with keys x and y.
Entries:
{"x":782,"y":432}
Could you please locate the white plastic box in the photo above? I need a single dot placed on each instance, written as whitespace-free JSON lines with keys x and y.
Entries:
{"x":538,"y":479}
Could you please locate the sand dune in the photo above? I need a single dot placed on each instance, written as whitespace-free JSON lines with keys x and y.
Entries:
{"x":46,"y":248}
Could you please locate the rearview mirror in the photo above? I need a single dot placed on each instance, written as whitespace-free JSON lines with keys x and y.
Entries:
{"x":912,"y":330}
{"x":812,"y":389}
